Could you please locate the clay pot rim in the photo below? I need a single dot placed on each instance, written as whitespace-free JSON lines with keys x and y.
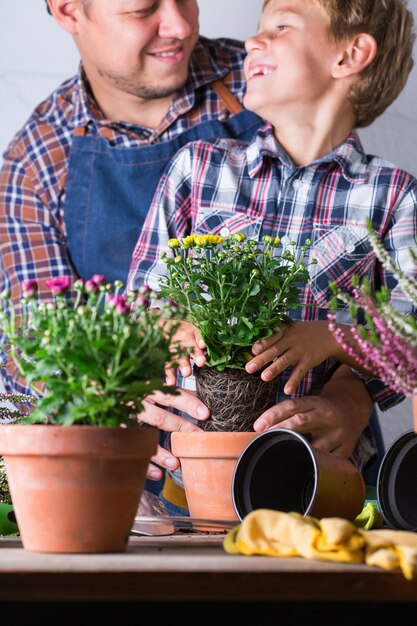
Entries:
{"x":197,"y":443}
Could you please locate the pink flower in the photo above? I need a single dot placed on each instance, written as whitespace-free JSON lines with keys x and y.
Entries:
{"x":119,"y":303}
{"x":29,"y":288}
{"x":59,"y":284}
{"x":93,"y":284}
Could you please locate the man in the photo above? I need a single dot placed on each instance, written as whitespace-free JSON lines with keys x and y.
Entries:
{"x":78,"y":178}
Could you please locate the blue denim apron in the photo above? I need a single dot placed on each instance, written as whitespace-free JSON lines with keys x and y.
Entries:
{"x":110,"y":188}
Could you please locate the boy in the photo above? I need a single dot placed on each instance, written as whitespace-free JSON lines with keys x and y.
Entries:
{"x":316,"y":70}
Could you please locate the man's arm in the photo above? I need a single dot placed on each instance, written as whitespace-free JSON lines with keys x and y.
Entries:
{"x":32,"y":243}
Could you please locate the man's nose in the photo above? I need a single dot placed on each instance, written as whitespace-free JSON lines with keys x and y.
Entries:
{"x":176,"y":21}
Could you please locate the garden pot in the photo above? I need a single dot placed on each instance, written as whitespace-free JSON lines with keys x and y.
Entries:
{"x":280,"y":470}
{"x":76,"y":489}
{"x":235,"y":398}
{"x":396,"y":483}
{"x":207,"y":461}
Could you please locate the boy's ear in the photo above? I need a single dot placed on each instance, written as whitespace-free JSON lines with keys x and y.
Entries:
{"x":355,"y":55}
{"x":65,"y":13}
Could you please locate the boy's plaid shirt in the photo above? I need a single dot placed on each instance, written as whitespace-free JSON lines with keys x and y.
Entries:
{"x":230,"y":186}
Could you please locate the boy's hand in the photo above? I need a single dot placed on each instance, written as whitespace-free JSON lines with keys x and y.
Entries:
{"x":189,"y":337}
{"x":302,"y":346}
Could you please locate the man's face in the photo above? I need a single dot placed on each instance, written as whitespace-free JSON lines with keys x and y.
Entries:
{"x":140,"y":47}
{"x":289,"y":62}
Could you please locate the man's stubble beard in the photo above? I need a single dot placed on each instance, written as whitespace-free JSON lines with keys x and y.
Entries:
{"x":144,"y":90}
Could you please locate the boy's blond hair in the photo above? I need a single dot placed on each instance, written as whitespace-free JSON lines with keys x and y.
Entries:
{"x":391,"y":24}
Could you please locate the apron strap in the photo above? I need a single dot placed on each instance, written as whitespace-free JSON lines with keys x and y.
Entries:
{"x":229,"y":100}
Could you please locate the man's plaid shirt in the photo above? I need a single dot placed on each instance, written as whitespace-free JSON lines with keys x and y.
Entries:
{"x":32,"y":180}
{"x":229,"y":186}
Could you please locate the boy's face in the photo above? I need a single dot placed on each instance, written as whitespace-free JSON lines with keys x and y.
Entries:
{"x":290,"y":59}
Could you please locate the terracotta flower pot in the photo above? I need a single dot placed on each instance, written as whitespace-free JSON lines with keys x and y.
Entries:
{"x":208,"y":460}
{"x":76,"y":489}
{"x":235,"y":398}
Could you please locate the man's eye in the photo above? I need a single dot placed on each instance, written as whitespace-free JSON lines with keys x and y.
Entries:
{"x":145,"y":12}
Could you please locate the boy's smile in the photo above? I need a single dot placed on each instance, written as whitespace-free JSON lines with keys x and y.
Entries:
{"x":289,"y":62}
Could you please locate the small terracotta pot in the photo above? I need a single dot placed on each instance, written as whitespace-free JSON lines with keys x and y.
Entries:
{"x":208,"y":461}
{"x":76,"y":489}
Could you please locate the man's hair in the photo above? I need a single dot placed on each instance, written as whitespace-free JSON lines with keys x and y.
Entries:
{"x":391,"y":24}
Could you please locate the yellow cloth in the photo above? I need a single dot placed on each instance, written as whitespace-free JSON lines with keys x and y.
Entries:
{"x":275,"y":533}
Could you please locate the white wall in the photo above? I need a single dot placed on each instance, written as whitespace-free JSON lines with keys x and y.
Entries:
{"x":35,"y":56}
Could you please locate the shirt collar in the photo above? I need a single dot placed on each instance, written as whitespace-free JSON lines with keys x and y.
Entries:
{"x":349,"y":156}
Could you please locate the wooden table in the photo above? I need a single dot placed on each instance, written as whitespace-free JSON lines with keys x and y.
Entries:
{"x":192,"y":569}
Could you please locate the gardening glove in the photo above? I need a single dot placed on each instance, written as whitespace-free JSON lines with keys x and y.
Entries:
{"x":275,"y":533}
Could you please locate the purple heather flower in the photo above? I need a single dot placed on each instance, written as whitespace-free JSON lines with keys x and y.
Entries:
{"x":29,"y":288}
{"x":58,"y":285}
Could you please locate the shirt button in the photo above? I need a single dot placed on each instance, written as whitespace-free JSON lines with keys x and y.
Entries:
{"x":297,"y":184}
{"x":225,"y":232}
{"x":350,"y":247}
{"x":285,"y":240}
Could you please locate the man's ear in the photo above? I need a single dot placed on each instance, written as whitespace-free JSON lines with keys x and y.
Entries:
{"x":65,"y":13}
{"x":355,"y":55}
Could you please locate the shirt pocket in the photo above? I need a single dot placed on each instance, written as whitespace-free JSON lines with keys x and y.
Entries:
{"x":340,"y":252}
{"x":223,"y":222}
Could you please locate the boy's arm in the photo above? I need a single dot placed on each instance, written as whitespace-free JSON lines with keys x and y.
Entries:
{"x":168,"y":218}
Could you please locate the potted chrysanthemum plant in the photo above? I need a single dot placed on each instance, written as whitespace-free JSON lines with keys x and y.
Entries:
{"x":383,"y":339}
{"x":76,"y":462}
{"x":236,"y":291}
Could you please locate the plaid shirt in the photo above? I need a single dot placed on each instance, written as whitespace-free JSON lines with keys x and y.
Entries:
{"x":32,"y":180}
{"x":230,"y":186}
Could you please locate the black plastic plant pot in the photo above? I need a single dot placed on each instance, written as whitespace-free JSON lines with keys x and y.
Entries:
{"x":397,"y":483}
{"x":280,"y":470}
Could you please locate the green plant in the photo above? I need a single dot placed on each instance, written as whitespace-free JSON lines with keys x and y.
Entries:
{"x":91,"y":355}
{"x":236,"y":291}
{"x":384,"y":338}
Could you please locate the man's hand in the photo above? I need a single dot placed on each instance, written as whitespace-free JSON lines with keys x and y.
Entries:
{"x":334,"y":419}
{"x":156,"y":414}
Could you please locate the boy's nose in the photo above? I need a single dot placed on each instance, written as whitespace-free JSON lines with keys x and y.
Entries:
{"x":256,"y":42}
{"x":175,"y":22}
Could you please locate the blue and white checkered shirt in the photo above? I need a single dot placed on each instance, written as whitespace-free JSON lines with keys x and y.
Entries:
{"x":230,"y":186}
